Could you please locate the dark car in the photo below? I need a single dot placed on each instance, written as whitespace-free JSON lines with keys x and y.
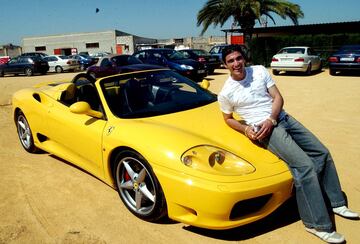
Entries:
{"x":111,"y":65}
{"x":34,"y":54}
{"x":84,"y":60}
{"x":174,"y":60}
{"x":347,"y":58}
{"x":217,"y":50}
{"x":24,"y":65}
{"x":211,"y":62}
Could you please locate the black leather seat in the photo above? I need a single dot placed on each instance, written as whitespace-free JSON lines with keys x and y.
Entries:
{"x":136,"y":95}
{"x":88,"y":93}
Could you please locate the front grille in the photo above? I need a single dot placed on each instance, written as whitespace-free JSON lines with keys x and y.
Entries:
{"x":248,"y":206}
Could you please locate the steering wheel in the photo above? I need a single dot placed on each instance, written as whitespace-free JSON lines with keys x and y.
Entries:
{"x":83,"y":78}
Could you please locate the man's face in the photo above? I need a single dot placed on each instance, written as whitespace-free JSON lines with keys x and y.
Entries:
{"x":235,"y":62}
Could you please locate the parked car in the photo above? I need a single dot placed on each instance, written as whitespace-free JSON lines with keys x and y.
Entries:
{"x":111,"y":65}
{"x":301,"y":59}
{"x":211,"y":62}
{"x":216,"y":50}
{"x":36,"y":54}
{"x":347,"y":58}
{"x":24,"y":65}
{"x":154,"y":136}
{"x":174,"y":60}
{"x":100,"y":54}
{"x":60,"y":63}
{"x":84,"y":60}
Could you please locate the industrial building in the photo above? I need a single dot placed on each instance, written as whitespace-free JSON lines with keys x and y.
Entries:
{"x":112,"y":41}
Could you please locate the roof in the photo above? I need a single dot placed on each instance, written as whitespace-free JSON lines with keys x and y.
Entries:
{"x":324,"y":28}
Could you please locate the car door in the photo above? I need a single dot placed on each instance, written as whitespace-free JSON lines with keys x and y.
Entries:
{"x":11,"y":66}
{"x":77,"y":136}
{"x":314,"y":58}
{"x":51,"y":61}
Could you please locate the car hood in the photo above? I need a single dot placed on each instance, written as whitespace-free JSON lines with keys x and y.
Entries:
{"x":190,"y":62}
{"x":200,"y":126}
{"x":169,"y":136}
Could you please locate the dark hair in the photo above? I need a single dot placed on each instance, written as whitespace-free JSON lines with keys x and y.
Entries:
{"x":234,"y":48}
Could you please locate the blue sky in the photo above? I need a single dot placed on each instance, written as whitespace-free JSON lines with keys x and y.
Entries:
{"x":146,"y":18}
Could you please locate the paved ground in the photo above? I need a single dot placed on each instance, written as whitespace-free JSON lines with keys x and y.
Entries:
{"x":45,"y":200}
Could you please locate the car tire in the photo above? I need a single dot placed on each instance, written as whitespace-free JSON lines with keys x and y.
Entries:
{"x":308,"y":70}
{"x":275,"y":72}
{"x":58,"y":69}
{"x":1,"y":73}
{"x":138,"y":186}
{"x":211,"y":71}
{"x":24,"y":133}
{"x":28,"y":72}
{"x":332,"y":72}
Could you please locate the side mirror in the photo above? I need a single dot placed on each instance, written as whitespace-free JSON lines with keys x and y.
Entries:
{"x":205,"y":84}
{"x":84,"y":108}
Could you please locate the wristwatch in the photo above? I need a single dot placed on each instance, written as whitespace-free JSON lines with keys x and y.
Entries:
{"x":273,"y":121}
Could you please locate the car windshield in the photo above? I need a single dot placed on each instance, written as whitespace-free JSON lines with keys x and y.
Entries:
{"x":125,"y":60}
{"x":201,"y":52}
{"x":63,"y":57}
{"x":173,"y":55}
{"x":83,"y":56}
{"x":292,"y":50}
{"x":152,"y":93}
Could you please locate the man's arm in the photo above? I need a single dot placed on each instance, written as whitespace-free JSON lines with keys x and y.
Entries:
{"x":277,"y":105}
{"x":278,"y":102}
{"x":236,"y":125}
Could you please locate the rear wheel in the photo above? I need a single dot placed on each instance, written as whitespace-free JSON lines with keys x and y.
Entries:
{"x":24,"y":133}
{"x":275,"y":72}
{"x":28,"y":72}
{"x":138,"y":186}
{"x":332,"y":72}
{"x":1,"y":73}
{"x":308,"y":71}
{"x":58,"y":69}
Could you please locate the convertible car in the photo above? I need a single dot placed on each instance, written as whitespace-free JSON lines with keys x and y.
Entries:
{"x":160,"y":140}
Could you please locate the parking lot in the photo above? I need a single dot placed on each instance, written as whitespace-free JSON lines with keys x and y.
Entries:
{"x":46,"y":200}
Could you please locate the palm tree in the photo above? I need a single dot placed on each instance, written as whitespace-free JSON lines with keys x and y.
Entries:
{"x":245,"y":13}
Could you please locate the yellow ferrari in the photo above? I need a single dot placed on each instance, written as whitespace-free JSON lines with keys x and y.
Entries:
{"x":160,"y":140}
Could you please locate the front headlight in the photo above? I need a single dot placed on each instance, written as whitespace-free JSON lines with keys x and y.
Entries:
{"x":187,"y":67}
{"x":210,"y":159}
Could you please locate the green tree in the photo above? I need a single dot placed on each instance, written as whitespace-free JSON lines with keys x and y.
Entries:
{"x":245,"y":13}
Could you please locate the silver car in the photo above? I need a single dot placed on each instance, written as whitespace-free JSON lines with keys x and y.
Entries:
{"x":302,"y":59}
{"x":60,"y":63}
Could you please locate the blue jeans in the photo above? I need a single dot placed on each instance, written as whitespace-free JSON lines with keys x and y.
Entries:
{"x":313,"y":170}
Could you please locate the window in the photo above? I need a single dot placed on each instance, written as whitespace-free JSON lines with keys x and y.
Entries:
{"x":92,"y":45}
{"x":40,"y":48}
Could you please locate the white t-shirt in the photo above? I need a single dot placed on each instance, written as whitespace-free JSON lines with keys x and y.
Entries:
{"x":249,"y":98}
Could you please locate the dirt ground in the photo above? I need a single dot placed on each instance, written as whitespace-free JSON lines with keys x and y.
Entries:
{"x":46,"y":200}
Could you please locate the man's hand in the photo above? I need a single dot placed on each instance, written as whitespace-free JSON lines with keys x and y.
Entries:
{"x":266,"y":128}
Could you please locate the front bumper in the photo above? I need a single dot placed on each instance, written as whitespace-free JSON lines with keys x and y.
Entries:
{"x":344,"y":66}
{"x":213,"y":205}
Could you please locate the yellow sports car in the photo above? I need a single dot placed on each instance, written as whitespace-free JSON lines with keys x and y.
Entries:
{"x":160,"y":140}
